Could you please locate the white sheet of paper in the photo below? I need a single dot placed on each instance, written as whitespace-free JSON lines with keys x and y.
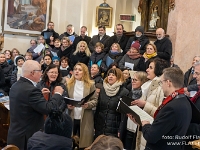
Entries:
{"x":39,"y":48}
{"x":7,"y":105}
{"x":192,"y":93}
{"x":143,"y":115}
{"x":129,"y":65}
{"x":78,"y":100}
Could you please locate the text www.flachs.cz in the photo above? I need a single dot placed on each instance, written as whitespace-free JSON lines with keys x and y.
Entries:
{"x":182,"y":143}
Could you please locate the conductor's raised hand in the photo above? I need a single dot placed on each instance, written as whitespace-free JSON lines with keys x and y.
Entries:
{"x":59,"y":89}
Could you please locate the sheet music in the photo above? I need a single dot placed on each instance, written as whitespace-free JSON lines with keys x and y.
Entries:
{"x":129,"y":65}
{"x":78,"y":100}
{"x":143,"y":115}
{"x":39,"y":48}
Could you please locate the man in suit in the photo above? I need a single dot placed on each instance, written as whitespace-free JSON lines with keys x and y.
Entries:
{"x":173,"y":116}
{"x":101,"y":37}
{"x":163,"y":45}
{"x":82,"y":37}
{"x":50,"y":30}
{"x":119,"y":37}
{"x":28,"y":106}
{"x":188,"y":77}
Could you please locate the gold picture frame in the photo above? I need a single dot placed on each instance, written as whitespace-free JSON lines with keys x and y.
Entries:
{"x":104,"y":16}
{"x":26,"y":17}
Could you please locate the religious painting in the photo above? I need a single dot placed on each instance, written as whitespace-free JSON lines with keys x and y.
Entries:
{"x":104,"y":16}
{"x":26,"y":17}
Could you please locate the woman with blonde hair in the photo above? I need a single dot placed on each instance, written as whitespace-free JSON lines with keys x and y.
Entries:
{"x":107,"y":119}
{"x":82,"y":54}
{"x":15,"y":52}
{"x":151,"y":53}
{"x":78,"y":87}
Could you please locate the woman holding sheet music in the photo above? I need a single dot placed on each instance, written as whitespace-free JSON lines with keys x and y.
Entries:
{"x":78,"y":87}
{"x":107,"y":119}
{"x":152,"y":94}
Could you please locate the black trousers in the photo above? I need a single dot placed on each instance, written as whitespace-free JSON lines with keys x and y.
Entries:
{"x":76,"y":128}
{"x":130,"y":140}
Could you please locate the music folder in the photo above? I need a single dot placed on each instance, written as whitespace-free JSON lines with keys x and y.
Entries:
{"x":125,"y":109}
{"x":78,"y":103}
{"x":47,"y":35}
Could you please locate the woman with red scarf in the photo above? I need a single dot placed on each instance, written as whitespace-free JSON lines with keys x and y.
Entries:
{"x":133,"y":59}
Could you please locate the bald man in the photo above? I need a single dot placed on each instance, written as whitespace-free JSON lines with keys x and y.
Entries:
{"x":163,"y":45}
{"x":28,"y":106}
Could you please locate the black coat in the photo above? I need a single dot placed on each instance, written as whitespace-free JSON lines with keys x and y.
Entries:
{"x":14,"y":76}
{"x":107,"y":119}
{"x":172,"y":120}
{"x":27,"y":109}
{"x":97,"y":78}
{"x":122,"y":42}
{"x":77,"y":39}
{"x":7,"y":70}
{"x":104,"y":41}
{"x":143,"y":40}
{"x":55,"y":35}
{"x":43,"y":141}
{"x":65,"y":34}
{"x":66,"y":72}
{"x":186,"y":78}
{"x":96,"y":58}
{"x":128,"y":84}
{"x":65,"y":52}
{"x":164,"y":48}
{"x":79,"y":57}
{"x":194,"y":129}
{"x":115,"y":57}
{"x":2,"y":78}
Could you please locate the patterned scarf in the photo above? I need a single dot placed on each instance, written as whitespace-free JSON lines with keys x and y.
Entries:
{"x":133,"y":55}
{"x":168,"y":99}
{"x":148,"y":56}
{"x":195,"y":97}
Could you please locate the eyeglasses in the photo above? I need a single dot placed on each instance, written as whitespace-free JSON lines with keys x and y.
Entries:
{"x":134,"y":80}
{"x":161,"y":82}
{"x":53,"y":72}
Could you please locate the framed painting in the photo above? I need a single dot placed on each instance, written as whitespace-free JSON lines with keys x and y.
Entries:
{"x":104,"y":16}
{"x":26,"y":17}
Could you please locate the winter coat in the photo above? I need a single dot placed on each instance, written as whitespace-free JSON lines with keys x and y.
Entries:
{"x":43,"y":141}
{"x":14,"y":76}
{"x":139,"y":64}
{"x":122,"y":42}
{"x":114,"y":57}
{"x":186,"y":78}
{"x":143,"y":40}
{"x":96,"y":58}
{"x":164,"y":48}
{"x":79,"y":57}
{"x":65,"y":52}
{"x":97,"y":78}
{"x":104,"y":41}
{"x":7,"y":70}
{"x":2,"y":78}
{"x":107,"y":119}
{"x":87,"y":115}
{"x":54,"y":34}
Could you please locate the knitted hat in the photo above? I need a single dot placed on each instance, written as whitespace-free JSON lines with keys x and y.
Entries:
{"x":18,"y":58}
{"x":56,"y":58}
{"x":140,"y":29}
{"x":136,"y":45}
{"x":58,"y":123}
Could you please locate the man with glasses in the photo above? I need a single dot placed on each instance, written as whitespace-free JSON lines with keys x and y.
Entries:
{"x":173,"y":116}
{"x":163,"y":45}
{"x":28,"y":106}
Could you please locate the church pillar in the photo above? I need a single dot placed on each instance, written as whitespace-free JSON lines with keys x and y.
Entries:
{"x":183,"y":29}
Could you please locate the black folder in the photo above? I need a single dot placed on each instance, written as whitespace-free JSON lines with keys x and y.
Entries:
{"x":78,"y":103}
{"x":127,"y":100}
{"x":125,"y":109}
